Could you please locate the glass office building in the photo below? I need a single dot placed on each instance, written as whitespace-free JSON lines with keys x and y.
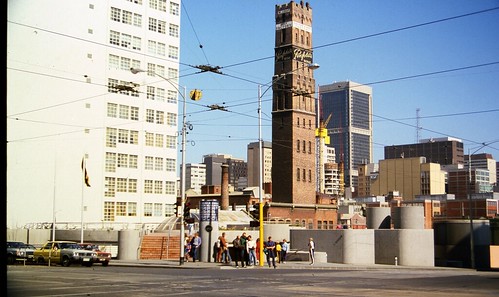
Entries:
{"x":350,"y":127}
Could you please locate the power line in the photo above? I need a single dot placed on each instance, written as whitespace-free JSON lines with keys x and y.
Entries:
{"x":407,"y":27}
{"x":376,"y":34}
{"x":195,"y":33}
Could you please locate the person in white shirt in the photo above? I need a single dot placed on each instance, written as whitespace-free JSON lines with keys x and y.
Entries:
{"x":284,"y":250}
{"x":311,"y":250}
{"x":251,"y":250}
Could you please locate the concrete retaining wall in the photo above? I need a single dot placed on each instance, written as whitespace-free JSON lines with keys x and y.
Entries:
{"x":378,"y":218}
{"x":35,"y":237}
{"x":408,"y":217}
{"x":411,"y":247}
{"x":129,"y":244}
{"x":352,"y":246}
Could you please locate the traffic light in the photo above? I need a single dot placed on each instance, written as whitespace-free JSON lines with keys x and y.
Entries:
{"x":255,"y":213}
{"x":187,"y":211}
{"x":177,"y":209}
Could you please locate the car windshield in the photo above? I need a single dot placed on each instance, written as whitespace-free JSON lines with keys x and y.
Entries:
{"x":66,"y":245}
{"x":29,"y":246}
{"x":15,"y":244}
{"x":89,"y":247}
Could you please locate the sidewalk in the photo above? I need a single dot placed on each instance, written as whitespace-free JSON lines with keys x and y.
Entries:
{"x":287,"y":265}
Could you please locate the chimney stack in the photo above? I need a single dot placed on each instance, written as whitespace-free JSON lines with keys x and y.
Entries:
{"x":225,"y":187}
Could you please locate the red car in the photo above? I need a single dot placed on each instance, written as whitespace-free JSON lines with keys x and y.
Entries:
{"x":101,"y":256}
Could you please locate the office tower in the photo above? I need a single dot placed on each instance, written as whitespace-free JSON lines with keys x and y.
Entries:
{"x":238,"y":170}
{"x":254,"y":163}
{"x":443,"y":150}
{"x":195,"y":176}
{"x":410,"y":177}
{"x":79,"y":108}
{"x":293,"y":110}
{"x":483,"y":161}
{"x":350,"y":127}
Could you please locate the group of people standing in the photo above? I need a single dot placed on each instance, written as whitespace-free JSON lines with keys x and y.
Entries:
{"x":246,"y":250}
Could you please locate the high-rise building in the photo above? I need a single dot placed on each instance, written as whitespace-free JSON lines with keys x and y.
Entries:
{"x":483,"y":161}
{"x":293,"y":110}
{"x":331,"y":173}
{"x":465,"y":182}
{"x":410,"y":177}
{"x":444,"y":150}
{"x":78,"y":110}
{"x":238,"y":170}
{"x":350,"y":127}
{"x":254,"y":163}
{"x":195,"y":176}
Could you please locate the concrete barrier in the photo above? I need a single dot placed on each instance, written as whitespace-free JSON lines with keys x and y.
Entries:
{"x":405,"y":247}
{"x":352,"y":246}
{"x":320,"y":257}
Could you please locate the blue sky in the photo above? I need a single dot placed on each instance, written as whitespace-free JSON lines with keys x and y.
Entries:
{"x":238,"y":36}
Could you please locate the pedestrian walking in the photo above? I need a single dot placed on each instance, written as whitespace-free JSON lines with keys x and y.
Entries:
{"x":195,"y":244}
{"x":251,"y":248}
{"x":270,"y":248}
{"x":311,"y":250}
{"x":284,"y":250}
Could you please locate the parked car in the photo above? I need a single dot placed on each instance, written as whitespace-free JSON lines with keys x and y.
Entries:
{"x":64,"y":253}
{"x":101,"y":256}
{"x":19,"y":251}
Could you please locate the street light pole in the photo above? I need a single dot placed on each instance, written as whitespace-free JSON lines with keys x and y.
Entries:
{"x":260,"y":177}
{"x":470,"y":206}
{"x":183,"y":197}
{"x":184,"y":128}
{"x":312,"y":66}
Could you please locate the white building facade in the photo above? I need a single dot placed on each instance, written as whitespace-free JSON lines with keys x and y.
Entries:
{"x":72,"y":98}
{"x":195,"y":176}
{"x":254,"y":163}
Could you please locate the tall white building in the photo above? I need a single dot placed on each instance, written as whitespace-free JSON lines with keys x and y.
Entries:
{"x":71,"y":97}
{"x":195,"y":176}
{"x":254,"y":163}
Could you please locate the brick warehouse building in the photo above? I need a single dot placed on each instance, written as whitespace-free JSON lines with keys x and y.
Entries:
{"x":293,"y":123}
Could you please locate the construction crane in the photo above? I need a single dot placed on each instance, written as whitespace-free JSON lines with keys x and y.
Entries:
{"x":322,"y":135}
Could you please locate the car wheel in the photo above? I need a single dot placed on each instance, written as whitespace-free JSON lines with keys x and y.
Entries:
{"x":105,"y":263}
{"x":65,"y":261}
{"x":10,"y":259}
{"x":40,"y":260}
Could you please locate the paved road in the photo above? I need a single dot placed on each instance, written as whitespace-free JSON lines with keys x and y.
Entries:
{"x":150,"y":278}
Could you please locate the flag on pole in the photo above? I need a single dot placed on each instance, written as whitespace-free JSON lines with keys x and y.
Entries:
{"x":86,"y":179}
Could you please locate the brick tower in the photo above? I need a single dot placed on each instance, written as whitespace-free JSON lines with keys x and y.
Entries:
{"x":293,"y":107}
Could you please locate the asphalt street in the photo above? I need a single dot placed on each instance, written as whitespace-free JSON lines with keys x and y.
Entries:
{"x":168,"y":278}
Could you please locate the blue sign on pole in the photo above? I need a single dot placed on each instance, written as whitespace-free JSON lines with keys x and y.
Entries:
{"x":208,"y":211}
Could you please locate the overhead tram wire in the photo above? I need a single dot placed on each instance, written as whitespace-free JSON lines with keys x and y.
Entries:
{"x":397,"y":78}
{"x":195,"y":33}
{"x":375,"y":34}
{"x":408,"y":27}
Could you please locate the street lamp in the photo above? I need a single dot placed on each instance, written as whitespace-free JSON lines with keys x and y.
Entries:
{"x":312,"y":66}
{"x":184,"y":132}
